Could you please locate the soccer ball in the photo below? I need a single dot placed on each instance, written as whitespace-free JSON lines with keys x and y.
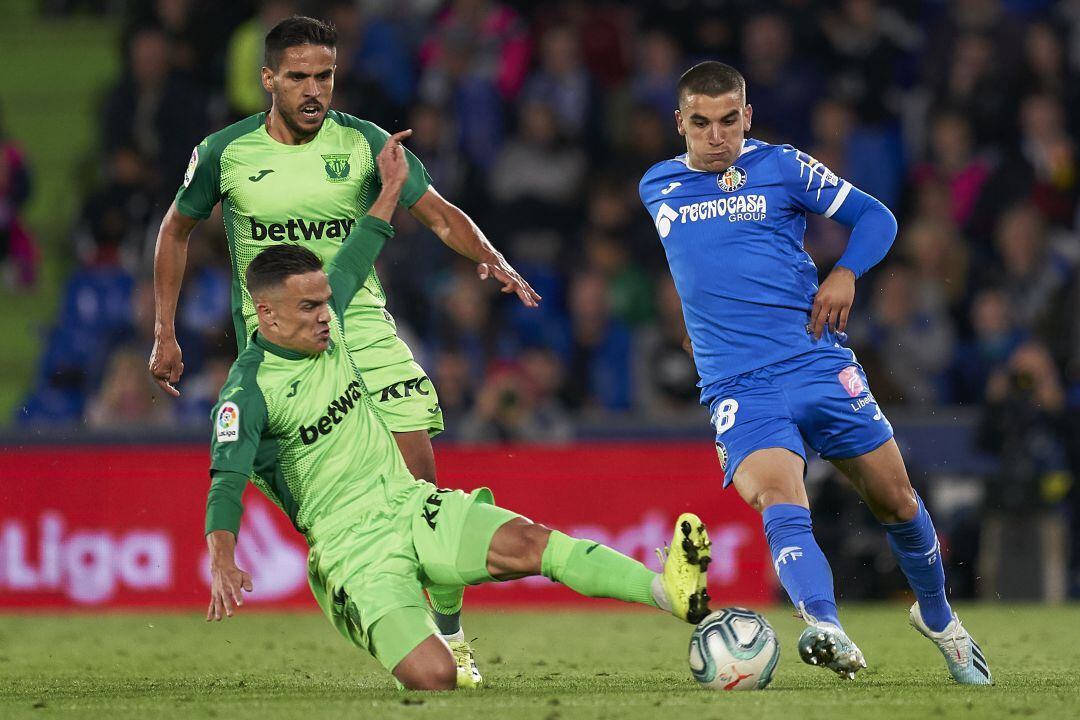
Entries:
{"x":733,"y":649}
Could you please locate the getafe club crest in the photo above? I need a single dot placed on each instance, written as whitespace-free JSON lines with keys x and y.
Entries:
{"x":731,"y":179}
{"x":337,"y":168}
{"x":722,"y":454}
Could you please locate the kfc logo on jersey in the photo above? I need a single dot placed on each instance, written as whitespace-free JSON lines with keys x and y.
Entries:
{"x":849,"y":377}
{"x":228,"y":423}
{"x":731,"y":179}
{"x":190,"y":172}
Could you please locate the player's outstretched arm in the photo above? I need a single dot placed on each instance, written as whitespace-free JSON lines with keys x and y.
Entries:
{"x":352,"y":264}
{"x":461,"y":234}
{"x":170,"y":258}
{"x":226,"y":580}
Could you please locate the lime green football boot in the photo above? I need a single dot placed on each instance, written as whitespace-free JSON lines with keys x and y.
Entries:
{"x":468,"y":675}
{"x":682,"y":589}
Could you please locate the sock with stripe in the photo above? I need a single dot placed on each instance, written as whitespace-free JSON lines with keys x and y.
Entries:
{"x":915,"y":545}
{"x":595,"y":570}
{"x":799,"y":563}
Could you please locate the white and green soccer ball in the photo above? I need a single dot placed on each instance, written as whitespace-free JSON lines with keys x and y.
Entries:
{"x":733,"y":649}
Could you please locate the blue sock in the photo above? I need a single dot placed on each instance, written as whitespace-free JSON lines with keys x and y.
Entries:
{"x":801,"y":566}
{"x":915,"y":545}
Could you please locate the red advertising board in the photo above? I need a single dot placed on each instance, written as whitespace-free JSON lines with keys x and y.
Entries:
{"x":121,"y":527}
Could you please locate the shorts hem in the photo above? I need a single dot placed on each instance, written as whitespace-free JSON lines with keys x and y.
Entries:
{"x":860,"y":451}
{"x":729,"y":478}
{"x":416,"y":628}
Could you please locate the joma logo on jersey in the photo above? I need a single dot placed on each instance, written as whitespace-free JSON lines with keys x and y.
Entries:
{"x":297,"y":229}
{"x":335,"y":413}
{"x":735,"y":209}
{"x":337,"y":168}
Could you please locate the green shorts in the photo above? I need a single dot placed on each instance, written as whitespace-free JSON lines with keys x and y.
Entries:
{"x":368,"y":572}
{"x":400,"y":390}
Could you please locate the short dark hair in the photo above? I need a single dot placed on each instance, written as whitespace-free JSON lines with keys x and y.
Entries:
{"x":711,"y":78}
{"x":276,"y":264}
{"x":293,"y":31}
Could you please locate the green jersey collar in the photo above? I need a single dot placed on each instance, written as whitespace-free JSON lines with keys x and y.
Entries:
{"x":282,"y":147}
{"x":277,"y":349}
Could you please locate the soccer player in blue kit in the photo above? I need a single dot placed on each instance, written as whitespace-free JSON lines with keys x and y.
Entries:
{"x":768,"y":345}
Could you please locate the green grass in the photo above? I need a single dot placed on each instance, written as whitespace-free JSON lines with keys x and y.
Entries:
{"x":50,"y":99}
{"x":554,"y":666}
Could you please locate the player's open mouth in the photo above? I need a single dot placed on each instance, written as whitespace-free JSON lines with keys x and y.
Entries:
{"x":311,"y":110}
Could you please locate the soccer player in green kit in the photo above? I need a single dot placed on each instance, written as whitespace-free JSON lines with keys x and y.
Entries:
{"x":295,"y":418}
{"x":303,"y":173}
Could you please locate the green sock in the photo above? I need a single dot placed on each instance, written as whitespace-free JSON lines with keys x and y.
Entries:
{"x":595,"y":570}
{"x":446,"y":606}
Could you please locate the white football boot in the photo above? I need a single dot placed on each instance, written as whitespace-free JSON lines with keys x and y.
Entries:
{"x":826,"y":645}
{"x":964,"y":657}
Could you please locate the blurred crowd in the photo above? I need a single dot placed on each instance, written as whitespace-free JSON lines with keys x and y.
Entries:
{"x":539,"y":119}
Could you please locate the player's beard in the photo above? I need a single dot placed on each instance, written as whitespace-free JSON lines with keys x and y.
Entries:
{"x":300,"y":132}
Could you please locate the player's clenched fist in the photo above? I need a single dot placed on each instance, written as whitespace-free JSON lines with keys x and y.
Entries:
{"x":833,"y":302}
{"x":393,"y":167}
{"x":167,"y":364}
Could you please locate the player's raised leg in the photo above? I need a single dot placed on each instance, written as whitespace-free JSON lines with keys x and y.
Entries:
{"x":882,"y":480}
{"x":771,"y":481}
{"x":521,"y":548}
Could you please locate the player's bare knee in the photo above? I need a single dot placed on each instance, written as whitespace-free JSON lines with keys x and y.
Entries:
{"x":901,"y":505}
{"x":435,"y":675}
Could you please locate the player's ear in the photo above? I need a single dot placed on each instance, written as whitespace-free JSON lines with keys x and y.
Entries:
{"x":746,"y":117}
{"x":264,"y":311}
{"x":679,"y":123}
{"x":268,"y":79}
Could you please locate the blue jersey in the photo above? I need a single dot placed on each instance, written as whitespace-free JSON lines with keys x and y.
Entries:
{"x":734,"y":242}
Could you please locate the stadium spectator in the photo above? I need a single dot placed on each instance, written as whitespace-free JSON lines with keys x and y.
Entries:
{"x":128,"y":400}
{"x":911,"y":337}
{"x":1022,"y":426}
{"x":953,"y":164}
{"x":18,"y":251}
{"x":1033,"y":271}
{"x":513,"y":406}
{"x":665,"y":377}
{"x":994,"y":337}
{"x":563,"y":84}
{"x":1049,"y":155}
{"x":599,"y":369}
{"x":244,"y":55}
{"x":111,"y":228}
{"x":155,"y":110}
{"x":536,"y":173}
{"x":784,"y":87}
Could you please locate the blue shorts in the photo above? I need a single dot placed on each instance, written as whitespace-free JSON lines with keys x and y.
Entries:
{"x":821,"y":397}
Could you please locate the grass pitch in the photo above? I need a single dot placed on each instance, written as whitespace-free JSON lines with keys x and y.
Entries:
{"x":549,"y":666}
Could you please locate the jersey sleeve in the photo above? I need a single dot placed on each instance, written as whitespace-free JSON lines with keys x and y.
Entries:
{"x":239,"y":419}
{"x":353,"y":262}
{"x":201,"y":189}
{"x":810,"y":185}
{"x":418,"y":181}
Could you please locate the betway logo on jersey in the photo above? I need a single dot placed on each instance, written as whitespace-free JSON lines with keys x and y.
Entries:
{"x":298,"y":229}
{"x":335,"y":413}
{"x":738,"y":208}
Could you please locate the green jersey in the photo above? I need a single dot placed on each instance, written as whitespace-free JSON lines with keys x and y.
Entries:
{"x":310,"y":194}
{"x":302,"y":427}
